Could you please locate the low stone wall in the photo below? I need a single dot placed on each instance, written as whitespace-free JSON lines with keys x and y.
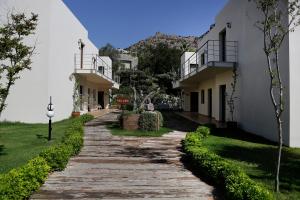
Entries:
{"x":131,"y":122}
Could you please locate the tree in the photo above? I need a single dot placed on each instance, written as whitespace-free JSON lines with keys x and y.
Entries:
{"x":275,"y":29}
{"x":161,"y":62}
{"x":135,"y":83}
{"x":15,"y":54}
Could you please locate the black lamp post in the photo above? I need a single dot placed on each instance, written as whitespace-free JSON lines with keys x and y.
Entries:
{"x":50,"y":114}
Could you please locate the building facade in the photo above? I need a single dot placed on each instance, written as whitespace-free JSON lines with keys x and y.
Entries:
{"x":62,"y":48}
{"x":127,"y":60}
{"x":234,"y":41}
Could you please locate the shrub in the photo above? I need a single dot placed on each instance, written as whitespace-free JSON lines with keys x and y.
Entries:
{"x":85,"y":118}
{"x":75,"y":141}
{"x":149,"y":121}
{"x":58,"y":156}
{"x":128,"y":107}
{"x":127,"y":113}
{"x":203,"y":131}
{"x":237,"y":185}
{"x":20,"y":183}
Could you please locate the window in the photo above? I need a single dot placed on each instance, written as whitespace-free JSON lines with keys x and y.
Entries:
{"x":222,"y":38}
{"x":202,"y":59}
{"x":202,"y":96}
{"x":101,"y":69}
{"x":193,"y":67}
{"x":80,"y":90}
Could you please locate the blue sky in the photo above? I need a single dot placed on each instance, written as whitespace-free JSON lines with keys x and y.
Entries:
{"x":124,"y":22}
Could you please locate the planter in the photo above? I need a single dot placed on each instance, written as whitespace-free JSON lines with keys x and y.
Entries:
{"x":231,"y":124}
{"x":131,"y":122}
{"x":75,"y":114}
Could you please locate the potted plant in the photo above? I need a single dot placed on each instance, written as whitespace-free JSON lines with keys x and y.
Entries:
{"x":75,"y":96}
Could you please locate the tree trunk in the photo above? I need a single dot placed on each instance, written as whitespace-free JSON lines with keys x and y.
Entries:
{"x":134,"y":99}
{"x":279,"y":124}
{"x":2,"y":103}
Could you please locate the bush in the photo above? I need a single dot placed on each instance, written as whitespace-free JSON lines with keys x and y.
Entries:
{"x":237,"y":185}
{"x":203,"y":131}
{"x":128,"y":107}
{"x":149,"y":121}
{"x":75,"y":141}
{"x":85,"y":118}
{"x":58,"y":156}
{"x":20,"y":183}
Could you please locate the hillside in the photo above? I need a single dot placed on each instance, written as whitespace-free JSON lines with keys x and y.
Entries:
{"x":173,"y":41}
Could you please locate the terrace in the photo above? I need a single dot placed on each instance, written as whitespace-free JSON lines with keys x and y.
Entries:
{"x":213,"y":57}
{"x":95,"y":69}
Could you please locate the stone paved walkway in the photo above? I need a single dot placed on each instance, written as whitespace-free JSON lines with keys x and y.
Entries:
{"x":111,"y":167}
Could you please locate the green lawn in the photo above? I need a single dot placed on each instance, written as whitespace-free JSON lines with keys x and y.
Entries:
{"x":257,"y":157}
{"x":116,"y":130}
{"x":20,"y":142}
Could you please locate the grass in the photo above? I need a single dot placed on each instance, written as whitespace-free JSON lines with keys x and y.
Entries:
{"x":116,"y":130}
{"x":20,"y":142}
{"x":258,"y":158}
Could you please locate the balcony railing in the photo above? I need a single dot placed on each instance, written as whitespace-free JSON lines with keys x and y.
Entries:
{"x":210,"y":52}
{"x":92,"y":62}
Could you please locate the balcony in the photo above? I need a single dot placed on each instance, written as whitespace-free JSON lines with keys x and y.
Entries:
{"x":212,"y":57}
{"x":94,"y":68}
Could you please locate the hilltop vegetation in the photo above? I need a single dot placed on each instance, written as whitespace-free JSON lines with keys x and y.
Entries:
{"x":184,"y":43}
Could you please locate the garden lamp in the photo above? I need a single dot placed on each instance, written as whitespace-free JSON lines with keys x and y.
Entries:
{"x":50,"y":114}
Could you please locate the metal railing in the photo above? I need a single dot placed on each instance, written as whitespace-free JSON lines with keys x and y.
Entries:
{"x":92,"y":62}
{"x":211,"y":51}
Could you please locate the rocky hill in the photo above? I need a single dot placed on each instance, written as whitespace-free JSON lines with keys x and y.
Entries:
{"x":186,"y":43}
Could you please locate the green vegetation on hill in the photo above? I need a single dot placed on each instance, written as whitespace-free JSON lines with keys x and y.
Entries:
{"x":184,"y":43}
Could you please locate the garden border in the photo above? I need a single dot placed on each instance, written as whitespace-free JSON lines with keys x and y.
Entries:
{"x":20,"y":183}
{"x":234,"y":181}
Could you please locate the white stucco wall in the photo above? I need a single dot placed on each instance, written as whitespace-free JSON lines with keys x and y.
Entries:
{"x":187,"y":58}
{"x":294,"y":49}
{"x":256,"y":113}
{"x":57,"y":37}
{"x":107,"y":63}
{"x":222,"y":78}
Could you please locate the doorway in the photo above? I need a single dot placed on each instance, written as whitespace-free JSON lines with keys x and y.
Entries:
{"x":194,"y":102}
{"x":209,"y":102}
{"x":101,"y":99}
{"x":222,"y":39}
{"x":222,"y":103}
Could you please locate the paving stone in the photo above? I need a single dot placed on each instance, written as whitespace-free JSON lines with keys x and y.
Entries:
{"x":114,"y":167}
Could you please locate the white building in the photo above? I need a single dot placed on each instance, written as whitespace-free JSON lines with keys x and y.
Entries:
{"x":235,"y":41}
{"x":127,"y":60}
{"x":58,"y":37}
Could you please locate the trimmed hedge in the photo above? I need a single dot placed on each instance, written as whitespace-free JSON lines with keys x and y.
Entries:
{"x":19,"y":183}
{"x":237,"y":185}
{"x":150,"y":121}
